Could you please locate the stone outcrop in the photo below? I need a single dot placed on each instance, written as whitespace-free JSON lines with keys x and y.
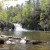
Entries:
{"x":6,"y":26}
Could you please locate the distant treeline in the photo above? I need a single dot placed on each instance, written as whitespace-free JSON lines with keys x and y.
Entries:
{"x":33,"y":15}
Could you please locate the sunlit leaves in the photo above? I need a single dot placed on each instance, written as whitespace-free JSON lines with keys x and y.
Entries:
{"x":9,"y":0}
{"x":42,"y":16}
{"x":45,"y":5}
{"x":15,"y":0}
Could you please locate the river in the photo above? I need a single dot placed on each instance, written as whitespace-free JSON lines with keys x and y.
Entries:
{"x":31,"y":35}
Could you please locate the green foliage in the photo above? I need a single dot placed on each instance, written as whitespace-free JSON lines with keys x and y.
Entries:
{"x":45,"y":5}
{"x":39,"y":24}
{"x":4,"y":16}
{"x":42,"y":16}
{"x":9,"y":0}
{"x":32,"y":14}
{"x":15,"y":0}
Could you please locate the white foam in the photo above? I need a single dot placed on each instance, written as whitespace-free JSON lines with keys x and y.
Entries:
{"x":18,"y":27}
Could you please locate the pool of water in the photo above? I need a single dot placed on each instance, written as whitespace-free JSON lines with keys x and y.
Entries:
{"x":32,"y":35}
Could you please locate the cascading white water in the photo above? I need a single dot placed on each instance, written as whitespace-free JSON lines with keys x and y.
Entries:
{"x":18,"y":27}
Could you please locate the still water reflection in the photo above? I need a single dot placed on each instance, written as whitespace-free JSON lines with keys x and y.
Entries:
{"x":32,"y":35}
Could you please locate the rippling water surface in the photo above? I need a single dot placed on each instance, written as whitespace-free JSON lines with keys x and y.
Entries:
{"x":32,"y":35}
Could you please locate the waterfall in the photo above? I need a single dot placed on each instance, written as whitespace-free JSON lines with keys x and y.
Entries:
{"x":18,"y":27}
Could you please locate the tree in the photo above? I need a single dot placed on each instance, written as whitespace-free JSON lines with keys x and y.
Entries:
{"x":3,"y":14}
{"x":45,"y":13}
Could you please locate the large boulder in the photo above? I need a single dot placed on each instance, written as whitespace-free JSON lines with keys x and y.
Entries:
{"x":6,"y":26}
{"x":1,"y":41}
{"x":10,"y":26}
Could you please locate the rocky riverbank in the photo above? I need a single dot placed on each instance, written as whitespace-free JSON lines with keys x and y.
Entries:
{"x":6,"y":26}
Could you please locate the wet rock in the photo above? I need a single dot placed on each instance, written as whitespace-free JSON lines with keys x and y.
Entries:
{"x":9,"y":36}
{"x":3,"y":37}
{"x":34,"y":42}
{"x":1,"y":41}
{"x":11,"y":41}
{"x":17,"y":38}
